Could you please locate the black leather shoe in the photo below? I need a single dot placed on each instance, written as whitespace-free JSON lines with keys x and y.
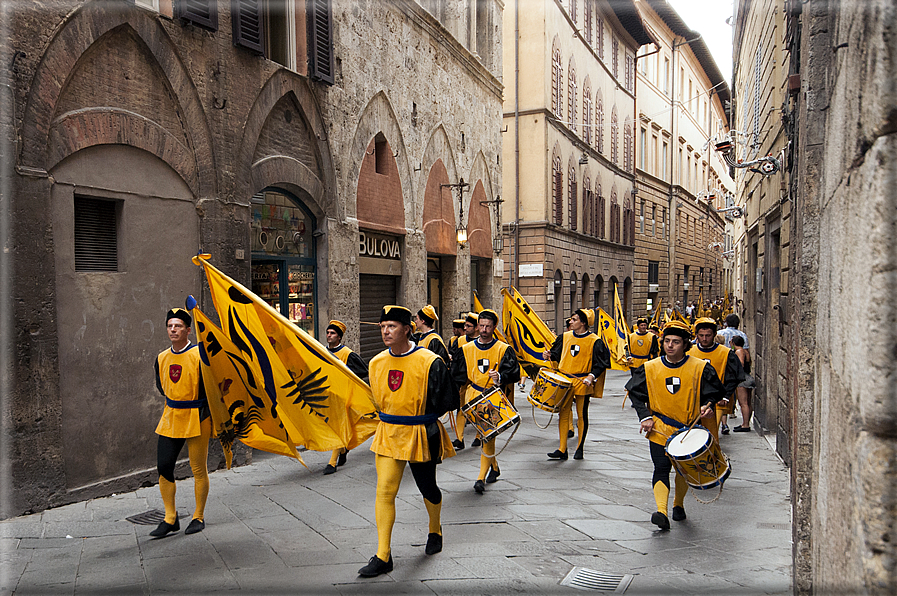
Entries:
{"x":341,"y":460}
{"x":458,"y":445}
{"x":558,"y":454}
{"x":679,"y":513}
{"x":195,"y":526}
{"x":493,"y":475}
{"x":166,"y":528}
{"x":660,"y":520}
{"x":376,"y":567}
{"x":434,"y":544}
{"x":570,"y":434}
{"x":329,"y":470}
{"x":725,"y":429}
{"x":476,"y":442}
{"x":742,"y":429}
{"x":479,"y":486}
{"x":577,"y":454}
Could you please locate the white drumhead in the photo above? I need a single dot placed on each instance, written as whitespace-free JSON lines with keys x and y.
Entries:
{"x":554,"y":377}
{"x":688,"y":442}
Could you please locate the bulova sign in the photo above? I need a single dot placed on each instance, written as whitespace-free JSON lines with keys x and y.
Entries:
{"x":379,"y":246}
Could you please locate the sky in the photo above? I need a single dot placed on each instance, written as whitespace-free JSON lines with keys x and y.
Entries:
{"x":708,"y":17}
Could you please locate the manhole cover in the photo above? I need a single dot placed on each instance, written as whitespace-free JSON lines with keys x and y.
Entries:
{"x":149,"y":518}
{"x":589,"y":579}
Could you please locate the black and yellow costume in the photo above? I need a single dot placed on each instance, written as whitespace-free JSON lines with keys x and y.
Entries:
{"x":434,"y":342}
{"x":356,"y":364}
{"x":454,"y":354}
{"x":470,"y":367}
{"x":643,"y":347}
{"x":185,"y":419}
{"x":578,"y":356}
{"x":730,"y":373}
{"x":673,"y":395}
{"x":412,"y":390}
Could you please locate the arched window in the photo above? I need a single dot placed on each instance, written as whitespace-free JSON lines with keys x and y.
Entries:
{"x":587,"y":21}
{"x":627,"y":145}
{"x":573,"y":9}
{"x":599,"y":123}
{"x":571,"y":196}
{"x":599,"y":35}
{"x":615,"y":55}
{"x":557,"y":189}
{"x":626,"y":212}
{"x":614,"y":217}
{"x":571,"y":93}
{"x":600,"y":212}
{"x":587,"y":123}
{"x":614,"y":130}
{"x":587,"y":206}
{"x":557,"y":82}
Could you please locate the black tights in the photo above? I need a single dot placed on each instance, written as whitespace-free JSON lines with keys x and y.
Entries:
{"x":425,"y":477}
{"x":167,"y":456}
{"x":662,"y":465}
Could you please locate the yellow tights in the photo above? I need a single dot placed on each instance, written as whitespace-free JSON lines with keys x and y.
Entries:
{"x":389,"y":477}
{"x":198,"y":450}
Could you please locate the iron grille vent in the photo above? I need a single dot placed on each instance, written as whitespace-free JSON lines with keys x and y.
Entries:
{"x":96,"y":236}
{"x":589,"y":579}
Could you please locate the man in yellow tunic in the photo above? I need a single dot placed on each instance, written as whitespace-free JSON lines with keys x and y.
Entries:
{"x":334,"y":333}
{"x":427,"y":336}
{"x":481,"y":364}
{"x":727,"y":366}
{"x":643,"y":346}
{"x":583,"y":357}
{"x":412,"y":388}
{"x":470,"y":333}
{"x":457,"y":334}
{"x":669,"y":393}
{"x":185,"y":419}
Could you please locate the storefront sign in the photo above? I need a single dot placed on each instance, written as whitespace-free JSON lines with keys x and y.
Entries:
{"x":379,"y":246}
{"x":531,"y":270}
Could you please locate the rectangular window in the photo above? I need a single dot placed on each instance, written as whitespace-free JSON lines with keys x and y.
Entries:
{"x":653,"y":229}
{"x":666,"y":76}
{"x":381,"y":157}
{"x":642,"y":147}
{"x":320,"y":40}
{"x":641,"y":218}
{"x":281,"y":24}
{"x":653,"y":272}
{"x":665,"y":159}
{"x":202,"y":13}
{"x":248,"y":25}
{"x":96,"y":235}
{"x":151,"y":4}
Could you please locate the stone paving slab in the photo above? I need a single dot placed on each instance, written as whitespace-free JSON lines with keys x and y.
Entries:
{"x":278,"y":527}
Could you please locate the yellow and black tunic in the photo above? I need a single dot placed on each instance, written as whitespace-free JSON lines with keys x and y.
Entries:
{"x":413,"y":390}
{"x":434,"y":342}
{"x":643,"y":347}
{"x":353,"y":361}
{"x":580,"y":355}
{"x":725,"y":362}
{"x":179,"y":379}
{"x":473,"y":361}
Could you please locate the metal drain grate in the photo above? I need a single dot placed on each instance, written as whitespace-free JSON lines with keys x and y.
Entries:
{"x":772,"y":526}
{"x":589,"y":579}
{"x":149,"y":518}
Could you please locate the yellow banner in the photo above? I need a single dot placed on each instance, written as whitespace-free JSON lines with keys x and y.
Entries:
{"x":320,"y":402}
{"x":240,"y":409}
{"x":526,"y":333}
{"x":622,"y":333}
{"x":655,"y":320}
{"x":480,"y":308}
{"x":607,"y":330}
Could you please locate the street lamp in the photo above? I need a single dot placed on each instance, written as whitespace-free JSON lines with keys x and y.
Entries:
{"x":461,"y":230}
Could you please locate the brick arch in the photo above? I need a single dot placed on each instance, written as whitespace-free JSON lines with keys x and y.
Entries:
{"x":378,"y":118}
{"x":439,"y":216}
{"x":479,"y":227}
{"x":262,"y":162}
{"x":379,"y":192}
{"x":76,"y":34}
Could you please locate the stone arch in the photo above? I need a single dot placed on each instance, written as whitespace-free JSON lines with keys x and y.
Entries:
{"x":438,"y":222}
{"x":438,"y":148}
{"x":481,"y":229}
{"x":378,"y":117}
{"x":74,"y":37}
{"x":262,"y":163}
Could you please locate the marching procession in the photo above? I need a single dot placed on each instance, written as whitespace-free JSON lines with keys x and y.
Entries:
{"x":241,"y":381}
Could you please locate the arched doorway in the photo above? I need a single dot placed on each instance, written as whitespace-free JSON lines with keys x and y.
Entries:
{"x":574,"y":294}
{"x":599,"y":292}
{"x":586,"y":292}
{"x":283,"y":256}
{"x":558,"y":302}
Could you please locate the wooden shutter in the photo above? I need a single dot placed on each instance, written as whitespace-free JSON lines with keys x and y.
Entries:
{"x":558,"y":197}
{"x":248,"y":25}
{"x":320,"y":41}
{"x":203,"y":13}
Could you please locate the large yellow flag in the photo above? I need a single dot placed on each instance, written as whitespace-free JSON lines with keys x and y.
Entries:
{"x":320,"y":402}
{"x":622,"y":331}
{"x":607,"y":330}
{"x":478,"y":306}
{"x":240,"y":408}
{"x":526,"y":333}
{"x":700,"y":312}
{"x":655,"y":320}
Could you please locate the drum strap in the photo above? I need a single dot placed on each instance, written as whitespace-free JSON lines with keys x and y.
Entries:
{"x":408,"y":420}
{"x":670,"y":421}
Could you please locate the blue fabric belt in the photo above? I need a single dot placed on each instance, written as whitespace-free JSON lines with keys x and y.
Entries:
{"x":186,"y":404}
{"x":578,"y":375}
{"x":408,"y":420}
{"x":477,"y":387}
{"x":669,"y":420}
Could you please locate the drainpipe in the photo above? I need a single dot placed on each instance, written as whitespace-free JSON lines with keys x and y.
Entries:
{"x":512,"y":278}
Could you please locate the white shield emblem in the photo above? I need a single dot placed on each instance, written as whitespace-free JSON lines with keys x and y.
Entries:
{"x":574,"y":350}
{"x":483,"y":365}
{"x":673,"y":384}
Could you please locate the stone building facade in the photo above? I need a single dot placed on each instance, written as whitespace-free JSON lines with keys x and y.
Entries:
{"x":681,"y":102}
{"x":840,"y":121}
{"x":306,"y":146}
{"x":569,"y":115}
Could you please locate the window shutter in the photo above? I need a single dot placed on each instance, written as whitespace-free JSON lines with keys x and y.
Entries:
{"x":320,"y":41}
{"x":248,"y":24}
{"x":96,"y":237}
{"x":203,"y":13}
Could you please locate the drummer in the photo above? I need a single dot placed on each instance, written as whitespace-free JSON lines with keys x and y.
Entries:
{"x":727,"y":366}
{"x":583,"y":357}
{"x":481,"y":364}
{"x":670,"y":393}
{"x":643,"y":346}
{"x":470,"y":334}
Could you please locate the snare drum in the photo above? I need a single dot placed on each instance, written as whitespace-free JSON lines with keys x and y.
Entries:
{"x":550,"y":391}
{"x":491,"y":413}
{"x":698,"y":458}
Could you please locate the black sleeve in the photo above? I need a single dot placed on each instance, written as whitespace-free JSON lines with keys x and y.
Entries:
{"x":712,"y":389}
{"x":637,"y":387}
{"x":442,"y":393}
{"x":357,"y":365}
{"x":438,"y":348}
{"x":459,"y":368}
{"x":508,"y":368}
{"x":600,"y":358}
{"x":655,"y":348}
{"x":557,"y":348}
{"x":204,"y":411}
{"x":158,"y":377}
{"x":734,"y":373}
